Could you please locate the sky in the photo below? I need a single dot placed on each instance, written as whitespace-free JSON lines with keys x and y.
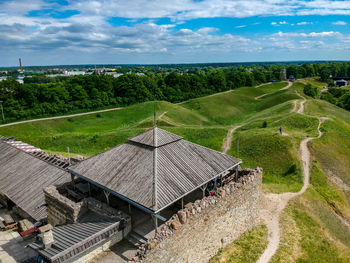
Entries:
{"x":62,"y":32}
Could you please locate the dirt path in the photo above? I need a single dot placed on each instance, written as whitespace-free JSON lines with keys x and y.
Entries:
{"x":226,"y":146}
{"x":162,"y":115}
{"x":59,"y":117}
{"x":302,"y":103}
{"x":212,"y":95}
{"x":286,"y":87}
{"x":273,"y":204}
{"x":263,"y":84}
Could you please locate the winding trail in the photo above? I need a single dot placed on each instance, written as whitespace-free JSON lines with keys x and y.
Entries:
{"x":59,"y":117}
{"x":273,"y":204}
{"x":284,"y":88}
{"x":226,"y":146}
{"x":302,"y":103}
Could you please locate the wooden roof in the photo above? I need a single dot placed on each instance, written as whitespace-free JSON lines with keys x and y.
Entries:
{"x":72,"y":240}
{"x":161,"y":137}
{"x":128,"y":169}
{"x":23,"y":177}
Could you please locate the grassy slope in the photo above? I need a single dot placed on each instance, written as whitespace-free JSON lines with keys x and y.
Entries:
{"x":246,"y":249}
{"x":311,"y":229}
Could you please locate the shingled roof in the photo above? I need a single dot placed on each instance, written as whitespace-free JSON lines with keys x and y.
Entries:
{"x":177,"y":166}
{"x":23,"y":177}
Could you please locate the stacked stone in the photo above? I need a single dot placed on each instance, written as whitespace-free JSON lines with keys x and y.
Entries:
{"x":245,"y":176}
{"x":60,"y":208}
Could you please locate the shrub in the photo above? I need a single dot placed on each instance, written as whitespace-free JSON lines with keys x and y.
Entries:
{"x":311,"y":91}
{"x":264,"y":125}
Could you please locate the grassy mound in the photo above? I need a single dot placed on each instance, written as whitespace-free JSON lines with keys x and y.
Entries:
{"x":245,"y":249}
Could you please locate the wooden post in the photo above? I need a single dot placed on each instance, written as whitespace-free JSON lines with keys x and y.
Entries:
{"x":72,"y":176}
{"x":203,"y":189}
{"x":236,"y":176}
{"x":129,"y":208}
{"x":107,"y":196}
{"x":182,"y":203}
{"x":155,"y":220}
{"x":89,"y":188}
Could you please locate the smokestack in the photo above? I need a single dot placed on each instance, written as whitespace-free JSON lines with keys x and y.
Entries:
{"x":20,"y":64}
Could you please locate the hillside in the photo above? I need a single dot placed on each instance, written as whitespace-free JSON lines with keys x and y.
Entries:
{"x":314,"y":226}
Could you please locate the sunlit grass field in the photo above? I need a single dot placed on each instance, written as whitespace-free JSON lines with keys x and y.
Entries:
{"x":312,"y":230}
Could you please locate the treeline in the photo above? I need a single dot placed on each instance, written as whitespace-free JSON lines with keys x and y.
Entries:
{"x":41,"y":95}
{"x":338,"y":96}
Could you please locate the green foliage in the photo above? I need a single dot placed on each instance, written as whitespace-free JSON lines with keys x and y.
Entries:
{"x":311,"y":91}
{"x":264,"y":125}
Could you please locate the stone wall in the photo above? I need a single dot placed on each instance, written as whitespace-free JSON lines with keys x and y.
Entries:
{"x":60,"y":209}
{"x":197,"y":232}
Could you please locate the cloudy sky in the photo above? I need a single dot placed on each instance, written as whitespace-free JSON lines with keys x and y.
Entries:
{"x":52,"y":32}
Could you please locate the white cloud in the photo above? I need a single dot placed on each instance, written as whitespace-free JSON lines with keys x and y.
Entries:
{"x":304,"y":23}
{"x":339,"y":23}
{"x":240,"y":26}
{"x":273,"y":23}
{"x":283,"y":23}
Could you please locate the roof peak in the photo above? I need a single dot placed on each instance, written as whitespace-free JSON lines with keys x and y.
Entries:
{"x":160,"y":138}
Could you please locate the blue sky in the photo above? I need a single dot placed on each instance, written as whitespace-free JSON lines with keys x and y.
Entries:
{"x":51,"y":32}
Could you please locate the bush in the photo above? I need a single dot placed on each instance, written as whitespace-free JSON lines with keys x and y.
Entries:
{"x":311,"y":91}
{"x":264,"y":125}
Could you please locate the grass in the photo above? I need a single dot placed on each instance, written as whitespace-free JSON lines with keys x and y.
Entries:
{"x":276,"y":154}
{"x":245,"y":249}
{"x":273,"y":87}
{"x":312,"y":231}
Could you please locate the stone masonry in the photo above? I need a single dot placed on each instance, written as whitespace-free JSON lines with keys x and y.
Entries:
{"x":196,"y":233}
{"x":60,"y":209}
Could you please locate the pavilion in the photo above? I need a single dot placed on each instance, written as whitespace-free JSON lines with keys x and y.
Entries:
{"x":154,"y":169}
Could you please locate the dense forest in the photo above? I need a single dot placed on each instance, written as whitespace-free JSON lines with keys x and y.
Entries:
{"x":41,"y":95}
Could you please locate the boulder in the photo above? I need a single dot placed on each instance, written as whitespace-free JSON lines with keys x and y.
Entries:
{"x":182,"y":217}
{"x":175,"y":225}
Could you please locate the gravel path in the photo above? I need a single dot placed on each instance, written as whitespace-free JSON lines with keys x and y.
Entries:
{"x":59,"y":117}
{"x":273,"y":204}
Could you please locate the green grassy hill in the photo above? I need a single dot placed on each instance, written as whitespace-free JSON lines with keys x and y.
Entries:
{"x":313,"y":230}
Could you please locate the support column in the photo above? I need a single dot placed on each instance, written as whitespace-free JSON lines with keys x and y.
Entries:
{"x":182,"y":203}
{"x":129,"y":208}
{"x":89,"y":188}
{"x":107,"y":196}
{"x":203,"y":189}
{"x":155,"y":220}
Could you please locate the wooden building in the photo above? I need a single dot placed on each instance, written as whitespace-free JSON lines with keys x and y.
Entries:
{"x":154,"y":169}
{"x":23,"y":177}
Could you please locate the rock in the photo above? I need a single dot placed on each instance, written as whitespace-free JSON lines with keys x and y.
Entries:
{"x":175,"y":225}
{"x":206,"y":218}
{"x":45,"y":228}
{"x":182,"y":217}
{"x":199,"y":209}
{"x":152,"y":245}
{"x":223,"y":193}
{"x":188,"y":205}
